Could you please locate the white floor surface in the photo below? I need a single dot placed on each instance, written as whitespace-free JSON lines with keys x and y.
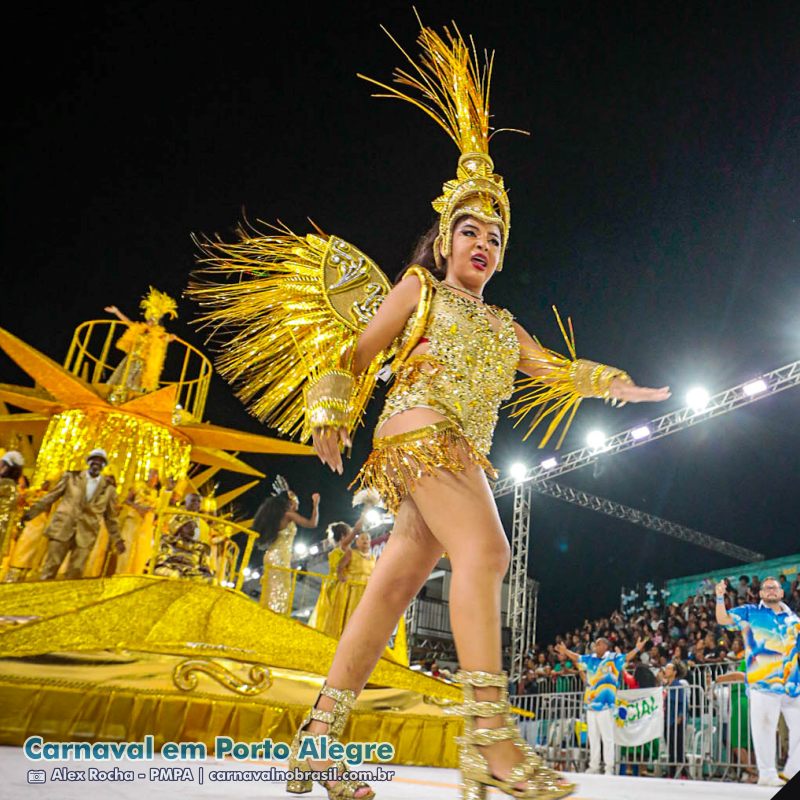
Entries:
{"x":408,"y":783}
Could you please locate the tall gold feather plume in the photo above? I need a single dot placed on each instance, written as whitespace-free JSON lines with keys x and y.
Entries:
{"x":451,"y":85}
{"x":288,"y":307}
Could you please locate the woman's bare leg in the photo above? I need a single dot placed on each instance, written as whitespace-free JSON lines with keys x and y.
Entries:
{"x":405,"y":564}
{"x":460,"y":512}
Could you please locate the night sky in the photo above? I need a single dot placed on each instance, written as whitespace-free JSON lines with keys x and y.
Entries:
{"x":657,"y":202}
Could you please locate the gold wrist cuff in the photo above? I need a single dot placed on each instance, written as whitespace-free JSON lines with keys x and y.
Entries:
{"x":327,"y":400}
{"x":591,"y":379}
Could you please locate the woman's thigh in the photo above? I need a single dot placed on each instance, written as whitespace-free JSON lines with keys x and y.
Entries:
{"x":460,"y":512}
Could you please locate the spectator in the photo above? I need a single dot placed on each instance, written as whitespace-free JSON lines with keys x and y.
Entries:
{"x":771,"y":638}
{"x":675,"y":716}
{"x":743,"y":588}
{"x":602,"y":680}
{"x":563,"y":670}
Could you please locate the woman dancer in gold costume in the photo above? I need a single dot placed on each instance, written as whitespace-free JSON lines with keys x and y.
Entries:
{"x":276,"y":521}
{"x":455,"y":361}
{"x":350,"y":570}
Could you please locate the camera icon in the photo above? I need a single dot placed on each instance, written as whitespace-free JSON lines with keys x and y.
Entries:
{"x":37,"y":776}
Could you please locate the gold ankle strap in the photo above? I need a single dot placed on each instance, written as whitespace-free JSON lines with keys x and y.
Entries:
{"x":347,"y":697}
{"x":486,"y":736}
{"x":483,"y":679}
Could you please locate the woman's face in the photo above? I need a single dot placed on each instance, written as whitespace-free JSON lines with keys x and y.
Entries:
{"x":475,"y":252}
{"x":363,"y":542}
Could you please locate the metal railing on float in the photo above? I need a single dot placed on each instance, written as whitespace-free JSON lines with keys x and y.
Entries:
{"x":93,"y":357}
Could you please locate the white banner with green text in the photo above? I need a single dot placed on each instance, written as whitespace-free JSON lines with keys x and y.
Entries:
{"x":639,"y":716}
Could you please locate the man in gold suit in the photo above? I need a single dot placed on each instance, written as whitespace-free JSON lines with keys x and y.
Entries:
{"x":87,"y":499}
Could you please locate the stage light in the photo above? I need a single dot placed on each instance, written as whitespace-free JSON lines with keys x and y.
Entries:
{"x":596,"y":440}
{"x":255,"y":575}
{"x":314,"y":550}
{"x":640,"y":433}
{"x":549,"y":463}
{"x":300,"y":549}
{"x":697,"y":398}
{"x":755,"y":387}
{"x":373,"y":517}
{"x":247,"y":571}
{"x":518,"y":471}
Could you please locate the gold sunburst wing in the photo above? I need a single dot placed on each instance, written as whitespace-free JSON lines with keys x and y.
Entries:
{"x":283,"y":307}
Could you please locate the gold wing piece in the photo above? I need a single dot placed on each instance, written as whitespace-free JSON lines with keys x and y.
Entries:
{"x":556,"y":393}
{"x":288,"y":312}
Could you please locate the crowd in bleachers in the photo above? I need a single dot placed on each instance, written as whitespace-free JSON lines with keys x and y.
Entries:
{"x":683,"y":633}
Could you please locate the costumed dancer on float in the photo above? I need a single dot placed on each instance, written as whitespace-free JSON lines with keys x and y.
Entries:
{"x":276,"y":523}
{"x":145,"y":344}
{"x":455,"y":360}
{"x":86,"y":498}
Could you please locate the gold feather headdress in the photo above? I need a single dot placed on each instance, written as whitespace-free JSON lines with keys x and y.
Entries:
{"x":454,"y":91}
{"x":156,"y":305}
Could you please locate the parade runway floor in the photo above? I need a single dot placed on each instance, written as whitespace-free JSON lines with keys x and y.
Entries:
{"x":408,"y":783}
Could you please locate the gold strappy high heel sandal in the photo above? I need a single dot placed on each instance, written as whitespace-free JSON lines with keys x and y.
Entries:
{"x":335,"y":719}
{"x":542,"y":782}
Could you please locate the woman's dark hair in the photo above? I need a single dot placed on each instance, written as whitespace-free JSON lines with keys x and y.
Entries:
{"x":338,"y":530}
{"x":267,"y":521}
{"x":422,"y":255}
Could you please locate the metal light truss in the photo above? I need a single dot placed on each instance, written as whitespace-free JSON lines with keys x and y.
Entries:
{"x":533,"y":608}
{"x":776,"y":381}
{"x":650,"y":521}
{"x":517,"y":608}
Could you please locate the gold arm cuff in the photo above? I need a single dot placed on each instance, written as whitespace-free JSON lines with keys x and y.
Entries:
{"x":591,"y":379}
{"x":327,"y":400}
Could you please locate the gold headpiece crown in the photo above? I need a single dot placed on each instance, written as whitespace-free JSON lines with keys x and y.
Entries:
{"x":454,"y":89}
{"x":157,"y":304}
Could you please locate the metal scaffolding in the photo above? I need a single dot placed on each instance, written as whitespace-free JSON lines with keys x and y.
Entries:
{"x":650,"y":521}
{"x":517,"y":610}
{"x":738,"y":396}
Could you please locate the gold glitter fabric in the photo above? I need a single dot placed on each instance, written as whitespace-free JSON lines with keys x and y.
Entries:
{"x":277,"y":593}
{"x":467,"y":372}
{"x":397,"y":463}
{"x":133,"y":444}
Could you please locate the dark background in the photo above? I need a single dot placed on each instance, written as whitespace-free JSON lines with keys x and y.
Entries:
{"x":657,"y":202}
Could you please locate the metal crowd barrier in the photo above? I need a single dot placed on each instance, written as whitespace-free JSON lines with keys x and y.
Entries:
{"x":706,"y":733}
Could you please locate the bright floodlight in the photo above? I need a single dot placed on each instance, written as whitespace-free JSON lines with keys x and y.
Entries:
{"x":518,"y":471}
{"x":373,"y":517}
{"x":641,"y":432}
{"x":247,"y":571}
{"x":755,"y":387}
{"x":314,"y":550}
{"x":549,"y":463}
{"x":300,"y":549}
{"x":596,"y":440}
{"x":697,"y":398}
{"x":255,"y":575}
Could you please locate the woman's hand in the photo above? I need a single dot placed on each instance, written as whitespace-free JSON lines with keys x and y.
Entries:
{"x":631,"y":393}
{"x":326,"y":444}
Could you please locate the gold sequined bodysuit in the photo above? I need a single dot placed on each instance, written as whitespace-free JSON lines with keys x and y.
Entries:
{"x":278,"y":582}
{"x":466,"y":374}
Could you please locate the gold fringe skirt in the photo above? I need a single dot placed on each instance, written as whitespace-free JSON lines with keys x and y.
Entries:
{"x":397,"y":462}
